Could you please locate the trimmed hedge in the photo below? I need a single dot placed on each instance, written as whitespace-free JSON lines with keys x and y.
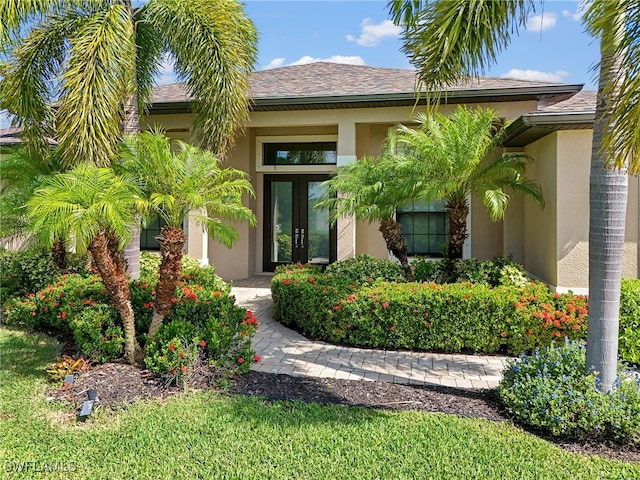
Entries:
{"x":629,"y":344}
{"x":428,"y":316}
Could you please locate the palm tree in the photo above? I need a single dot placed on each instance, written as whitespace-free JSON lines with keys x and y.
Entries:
{"x":92,"y":207}
{"x":97,"y":60}
{"x":453,"y":39}
{"x":372,"y":189}
{"x":453,"y":152}
{"x":21,"y":174}
{"x":188,"y":182}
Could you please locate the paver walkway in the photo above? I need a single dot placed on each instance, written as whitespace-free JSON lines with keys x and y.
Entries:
{"x":284,"y":351}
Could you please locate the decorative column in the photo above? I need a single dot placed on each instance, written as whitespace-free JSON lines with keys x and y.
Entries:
{"x":197,"y":241}
{"x":346,"y":155}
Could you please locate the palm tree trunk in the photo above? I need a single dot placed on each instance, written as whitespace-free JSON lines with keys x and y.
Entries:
{"x":59,"y":254}
{"x":116,"y":282}
{"x":458,"y":211}
{"x":171,"y":240}
{"x":607,"y":204}
{"x":131,"y":126}
{"x":392,"y":235}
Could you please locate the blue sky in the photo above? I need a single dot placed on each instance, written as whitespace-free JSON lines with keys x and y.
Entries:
{"x":553,"y":46}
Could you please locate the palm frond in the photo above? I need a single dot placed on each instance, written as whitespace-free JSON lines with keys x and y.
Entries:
{"x":214,"y":45}
{"x":457,"y":39}
{"x":496,"y":202}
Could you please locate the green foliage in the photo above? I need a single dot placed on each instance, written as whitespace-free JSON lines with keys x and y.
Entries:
{"x":365,"y":269}
{"x":494,"y":272}
{"x":629,"y":344}
{"x":27,"y":271}
{"x":203,"y":325}
{"x":551,"y":390}
{"x":97,"y":332}
{"x":451,"y":318}
{"x":66,"y":365}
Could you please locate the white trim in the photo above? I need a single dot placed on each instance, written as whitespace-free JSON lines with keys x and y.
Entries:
{"x":303,"y":169}
{"x":558,"y":289}
{"x":466,"y":246}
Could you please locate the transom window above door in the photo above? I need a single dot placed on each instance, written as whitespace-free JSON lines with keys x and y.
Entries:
{"x":300,"y":153}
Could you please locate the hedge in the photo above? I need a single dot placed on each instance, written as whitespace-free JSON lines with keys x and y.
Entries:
{"x":425,"y":316}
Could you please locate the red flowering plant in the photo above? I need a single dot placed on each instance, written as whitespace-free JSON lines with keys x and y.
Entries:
{"x":208,"y":324}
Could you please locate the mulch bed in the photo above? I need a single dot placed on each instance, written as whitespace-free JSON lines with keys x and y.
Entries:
{"x":120,"y":384}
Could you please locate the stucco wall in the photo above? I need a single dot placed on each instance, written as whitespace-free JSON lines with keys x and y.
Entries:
{"x":540,"y":229}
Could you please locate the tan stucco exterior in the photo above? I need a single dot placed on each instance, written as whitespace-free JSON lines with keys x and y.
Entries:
{"x":552,"y":242}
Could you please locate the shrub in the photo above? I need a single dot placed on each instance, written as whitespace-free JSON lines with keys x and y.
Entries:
{"x":365,"y":269}
{"x":552,"y":391}
{"x":66,"y":365}
{"x":28,"y":271}
{"x":494,"y":272}
{"x":98,"y":333}
{"x":204,"y":325}
{"x":629,"y":344}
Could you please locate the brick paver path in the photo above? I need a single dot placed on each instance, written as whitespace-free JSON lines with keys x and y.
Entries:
{"x":284,"y":351}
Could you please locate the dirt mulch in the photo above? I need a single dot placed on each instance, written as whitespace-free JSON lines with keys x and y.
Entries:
{"x":120,"y":384}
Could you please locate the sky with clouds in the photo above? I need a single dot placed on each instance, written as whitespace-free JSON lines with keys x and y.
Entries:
{"x":551,"y":47}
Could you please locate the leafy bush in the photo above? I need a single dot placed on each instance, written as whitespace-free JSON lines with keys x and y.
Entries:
{"x":551,"y":390}
{"x":28,"y":271}
{"x":629,"y":344}
{"x":450,"y":318}
{"x":204,"y":325}
{"x":66,"y":365}
{"x":365,"y":269}
{"x":495,"y":272}
{"x":98,"y":333}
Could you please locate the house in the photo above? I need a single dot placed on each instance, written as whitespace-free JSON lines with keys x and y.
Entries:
{"x":307,"y":120}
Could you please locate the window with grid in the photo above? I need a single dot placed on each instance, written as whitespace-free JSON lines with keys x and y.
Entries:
{"x":425,"y":227}
{"x":148,"y":240}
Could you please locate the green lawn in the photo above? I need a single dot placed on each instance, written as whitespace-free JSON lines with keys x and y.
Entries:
{"x":207,"y":435}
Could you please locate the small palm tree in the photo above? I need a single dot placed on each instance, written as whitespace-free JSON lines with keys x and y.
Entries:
{"x":372,"y":189}
{"x":453,"y":153}
{"x":22,"y":172}
{"x":96,"y":210}
{"x":188,"y":182}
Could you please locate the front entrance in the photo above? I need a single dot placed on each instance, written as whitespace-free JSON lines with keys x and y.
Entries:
{"x":294,"y":231}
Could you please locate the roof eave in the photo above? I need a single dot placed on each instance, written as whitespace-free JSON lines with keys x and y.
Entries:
{"x":533,"y":126}
{"x":401,"y":98}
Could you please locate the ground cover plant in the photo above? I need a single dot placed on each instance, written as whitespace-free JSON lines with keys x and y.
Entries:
{"x":209,"y":435}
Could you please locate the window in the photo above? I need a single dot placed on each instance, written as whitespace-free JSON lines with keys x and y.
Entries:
{"x":425,"y":227}
{"x":296,"y":153}
{"x":148,"y":235}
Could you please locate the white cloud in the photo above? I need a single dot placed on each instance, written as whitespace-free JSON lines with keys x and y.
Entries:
{"x":275,"y":63}
{"x":582,"y":7}
{"x":165,"y":74}
{"x":371,"y":34}
{"x":351,"y":60}
{"x":536,"y":76}
{"x":540,"y":23}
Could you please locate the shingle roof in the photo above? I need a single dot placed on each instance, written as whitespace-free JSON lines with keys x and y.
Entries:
{"x":324,"y":79}
{"x":583,"y":101}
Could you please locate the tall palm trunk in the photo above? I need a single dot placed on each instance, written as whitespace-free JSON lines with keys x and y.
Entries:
{"x":131,"y":126}
{"x":390,"y":230}
{"x":458,"y":211}
{"x":116,"y":282}
{"x":171,"y":240}
{"x":59,"y":254}
{"x":607,"y":204}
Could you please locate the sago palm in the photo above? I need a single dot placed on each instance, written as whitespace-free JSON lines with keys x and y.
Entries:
{"x":453,"y":154}
{"x":372,"y":189}
{"x":96,"y":210}
{"x":449,"y":40}
{"x":188,"y":182}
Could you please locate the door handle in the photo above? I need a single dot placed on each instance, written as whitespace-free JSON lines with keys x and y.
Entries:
{"x":295,"y":236}
{"x":302,"y":237}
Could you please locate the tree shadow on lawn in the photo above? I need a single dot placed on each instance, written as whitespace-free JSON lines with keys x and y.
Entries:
{"x":26,"y":354}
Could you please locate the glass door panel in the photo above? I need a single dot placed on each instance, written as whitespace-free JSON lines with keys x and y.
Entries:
{"x":294,"y":231}
{"x":281,"y":220}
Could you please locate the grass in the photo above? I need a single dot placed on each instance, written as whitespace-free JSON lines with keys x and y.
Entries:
{"x":208,"y":435}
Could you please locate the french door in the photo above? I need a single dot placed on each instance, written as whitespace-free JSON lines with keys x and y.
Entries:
{"x":294,"y":230}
